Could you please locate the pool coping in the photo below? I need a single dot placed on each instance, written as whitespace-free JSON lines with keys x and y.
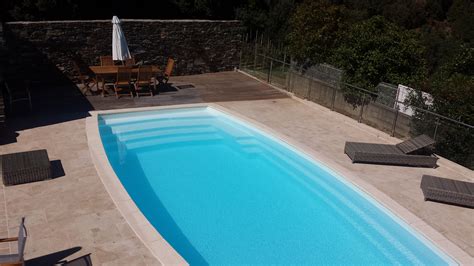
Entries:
{"x":165,"y":253}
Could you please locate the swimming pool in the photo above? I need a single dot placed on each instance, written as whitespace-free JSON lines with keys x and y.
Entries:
{"x":222,"y":192}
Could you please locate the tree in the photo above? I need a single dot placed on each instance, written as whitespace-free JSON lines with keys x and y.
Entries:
{"x":269,"y":17}
{"x":440,"y":47}
{"x":376,"y":50}
{"x":316,"y":26}
{"x":453,"y":87}
{"x":461,"y":17}
{"x":214,"y":9}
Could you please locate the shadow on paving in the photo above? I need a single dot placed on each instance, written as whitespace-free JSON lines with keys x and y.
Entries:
{"x":55,"y":98}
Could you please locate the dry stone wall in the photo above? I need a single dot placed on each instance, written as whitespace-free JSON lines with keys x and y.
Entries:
{"x":198,"y":46}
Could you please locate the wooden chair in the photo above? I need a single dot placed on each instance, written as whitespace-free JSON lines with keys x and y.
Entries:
{"x":145,"y":81}
{"x":106,"y":60}
{"x":15,"y":259}
{"x":18,"y":91}
{"x":168,"y":70}
{"x":106,"y":81}
{"x":85,"y":79}
{"x":129,"y":61}
{"x":124,"y":75}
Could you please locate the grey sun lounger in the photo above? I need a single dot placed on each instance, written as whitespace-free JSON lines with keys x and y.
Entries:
{"x":15,"y":259}
{"x":448,"y":190}
{"x":408,"y":153}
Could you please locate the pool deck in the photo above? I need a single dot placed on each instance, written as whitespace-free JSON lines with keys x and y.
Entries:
{"x":74,"y":210}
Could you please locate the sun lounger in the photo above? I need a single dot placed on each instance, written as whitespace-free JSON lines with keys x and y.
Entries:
{"x":409,"y":153}
{"x":17,"y":258}
{"x":447,"y":190}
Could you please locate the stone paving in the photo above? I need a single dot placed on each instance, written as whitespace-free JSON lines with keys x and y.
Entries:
{"x":75,"y":210}
{"x":69,"y":211}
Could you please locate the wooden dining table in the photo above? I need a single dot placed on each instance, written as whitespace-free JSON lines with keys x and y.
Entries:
{"x":104,"y":72}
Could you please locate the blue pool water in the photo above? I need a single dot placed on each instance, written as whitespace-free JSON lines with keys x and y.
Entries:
{"x":222,"y":192}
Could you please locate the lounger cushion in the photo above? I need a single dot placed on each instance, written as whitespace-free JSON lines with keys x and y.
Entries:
{"x":418,"y":143}
{"x":374,"y":148}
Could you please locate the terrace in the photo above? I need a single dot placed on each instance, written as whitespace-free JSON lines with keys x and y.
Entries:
{"x":73,"y":214}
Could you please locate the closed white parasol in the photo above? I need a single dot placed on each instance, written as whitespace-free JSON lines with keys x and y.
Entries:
{"x":119,"y":43}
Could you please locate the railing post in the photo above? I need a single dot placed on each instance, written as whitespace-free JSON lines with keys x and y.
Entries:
{"x":361,"y":109}
{"x":394,"y":126}
{"x":240,"y":56}
{"x":269,"y":77}
{"x":255,"y":51}
{"x":288,"y":78}
{"x":436,"y":128}
{"x":333,"y":100}
{"x":309,"y":88}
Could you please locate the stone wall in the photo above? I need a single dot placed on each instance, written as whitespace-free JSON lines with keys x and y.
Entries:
{"x":198,"y":46}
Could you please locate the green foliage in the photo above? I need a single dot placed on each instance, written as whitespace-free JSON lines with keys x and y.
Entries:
{"x":408,"y":14}
{"x":461,"y":17}
{"x":440,"y":48}
{"x":208,"y":8}
{"x":405,"y":13}
{"x":269,"y":17}
{"x":315,"y":28}
{"x":453,"y":87}
{"x":376,"y":50}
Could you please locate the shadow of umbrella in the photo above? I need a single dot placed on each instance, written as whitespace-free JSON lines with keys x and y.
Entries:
{"x":53,"y":258}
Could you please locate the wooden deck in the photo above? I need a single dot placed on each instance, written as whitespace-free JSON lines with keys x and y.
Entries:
{"x":211,"y":87}
{"x":54,"y":104}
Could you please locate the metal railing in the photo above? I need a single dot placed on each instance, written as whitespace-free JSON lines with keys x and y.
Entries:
{"x":455,"y":139}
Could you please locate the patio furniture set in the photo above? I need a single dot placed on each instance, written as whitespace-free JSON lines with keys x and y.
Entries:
{"x":126,"y":79}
